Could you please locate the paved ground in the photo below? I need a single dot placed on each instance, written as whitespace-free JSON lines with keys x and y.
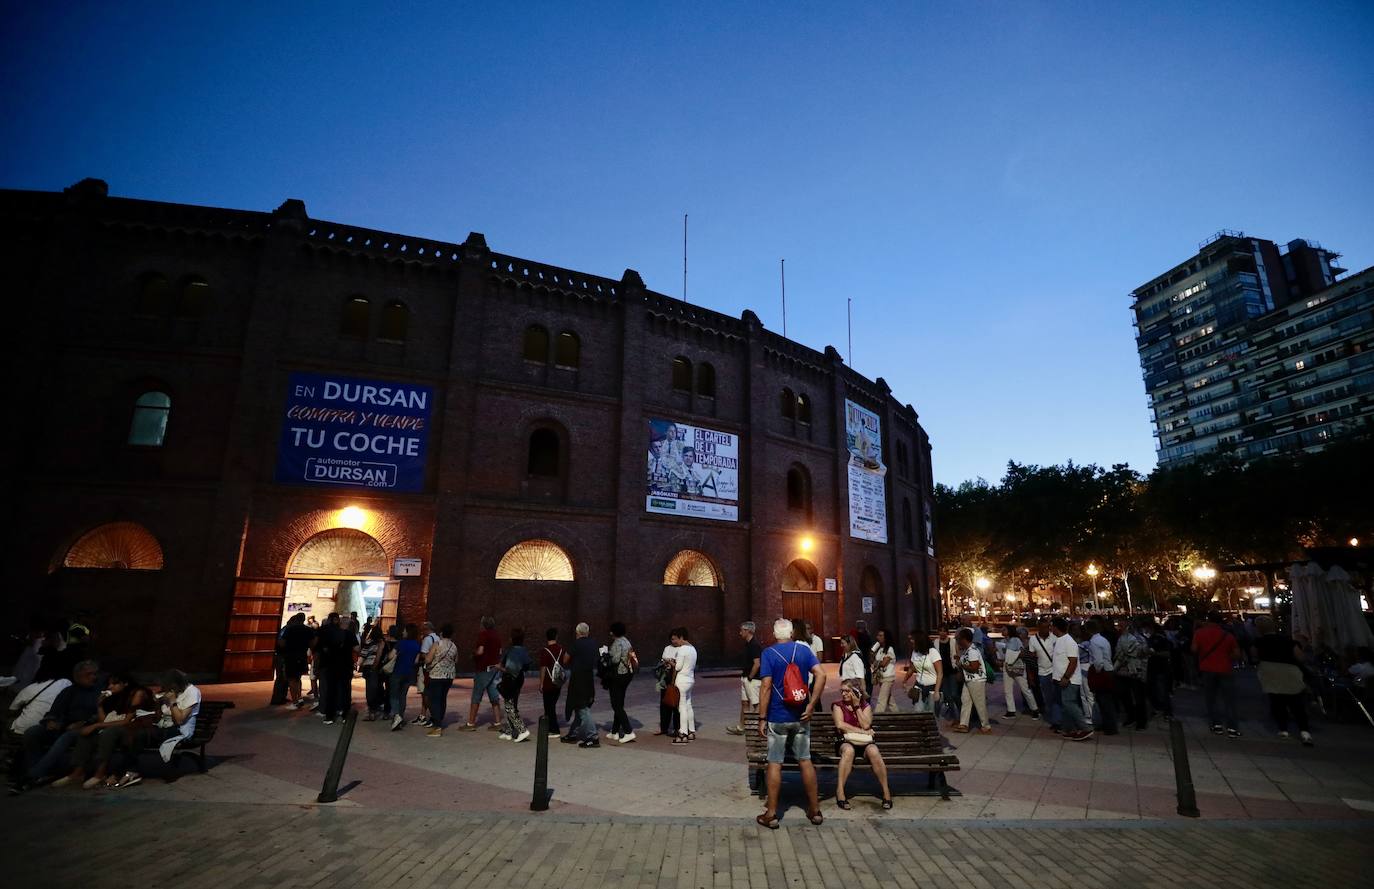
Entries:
{"x":416,"y":810}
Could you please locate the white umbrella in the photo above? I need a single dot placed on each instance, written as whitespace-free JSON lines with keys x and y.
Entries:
{"x":1327,"y":608}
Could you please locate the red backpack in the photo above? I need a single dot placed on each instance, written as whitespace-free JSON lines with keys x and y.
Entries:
{"x":794,"y":688}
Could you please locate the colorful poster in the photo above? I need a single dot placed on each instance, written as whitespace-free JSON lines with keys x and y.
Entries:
{"x":692,"y":471}
{"x":356,"y":433}
{"x":867,"y":474}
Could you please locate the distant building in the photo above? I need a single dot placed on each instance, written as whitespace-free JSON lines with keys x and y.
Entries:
{"x":1252,"y":348}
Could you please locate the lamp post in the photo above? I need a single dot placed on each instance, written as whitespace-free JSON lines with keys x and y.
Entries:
{"x":982,"y":584}
{"x":1092,"y":572}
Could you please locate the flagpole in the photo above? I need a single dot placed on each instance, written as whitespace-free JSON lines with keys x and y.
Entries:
{"x":782,"y":274}
{"x":849,"y":312}
{"x":684,"y":257}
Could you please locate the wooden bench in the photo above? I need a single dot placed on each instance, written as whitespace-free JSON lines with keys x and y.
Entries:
{"x":909,"y":742}
{"x":207,"y":721}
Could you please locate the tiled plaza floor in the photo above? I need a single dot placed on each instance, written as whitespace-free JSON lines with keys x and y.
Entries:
{"x":416,"y":809}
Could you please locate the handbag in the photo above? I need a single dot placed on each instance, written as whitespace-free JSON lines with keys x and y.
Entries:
{"x":672,"y":696}
{"x":389,"y":664}
{"x":1101,"y":680}
{"x":859,"y":739}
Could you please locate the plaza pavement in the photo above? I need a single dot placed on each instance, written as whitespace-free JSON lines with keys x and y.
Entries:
{"x":422,"y":806}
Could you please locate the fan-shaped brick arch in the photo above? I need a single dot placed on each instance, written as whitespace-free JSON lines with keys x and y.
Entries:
{"x":535,"y":560}
{"x":691,"y":568}
{"x":387,"y":531}
{"x":340,"y":551}
{"x":116,"y":545}
{"x":800,"y":574}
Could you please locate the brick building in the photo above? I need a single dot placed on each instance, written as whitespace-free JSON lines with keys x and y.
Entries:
{"x":171,"y":362}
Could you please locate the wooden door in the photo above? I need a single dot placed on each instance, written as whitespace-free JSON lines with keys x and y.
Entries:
{"x":391,"y":597}
{"x":254,"y":621}
{"x":807,"y":605}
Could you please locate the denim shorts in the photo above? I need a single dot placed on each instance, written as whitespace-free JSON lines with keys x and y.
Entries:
{"x":485,"y":683}
{"x":780,"y":733}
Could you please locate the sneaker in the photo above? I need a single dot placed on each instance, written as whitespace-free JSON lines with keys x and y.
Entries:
{"x":1233,"y":733}
{"x":568,"y":739}
{"x":1218,"y":730}
{"x":468,"y":727}
{"x":590,"y":743}
{"x":555,"y":733}
{"x":435,"y":732}
{"x":1078,"y":736}
{"x":625,"y":739}
{"x":314,"y":708}
{"x":64,"y":781}
{"x":984,"y":730}
{"x":494,"y":727}
{"x":734,"y":729}
{"x":329,"y":722}
{"x":301,"y":703}
{"x":1306,"y":738}
{"x":1283,"y":735}
{"x":612,"y":737}
{"x":92,"y":783}
{"x":503,"y":737}
{"x":398,"y":723}
{"x":523,"y":736}
{"x":1010,"y":714}
{"x":1035,"y":714}
{"x":419,"y":720}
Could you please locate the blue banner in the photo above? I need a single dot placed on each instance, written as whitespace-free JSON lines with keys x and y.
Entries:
{"x":358,"y":433}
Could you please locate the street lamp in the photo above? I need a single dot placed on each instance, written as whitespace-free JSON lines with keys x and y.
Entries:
{"x":1354,"y":541}
{"x":1092,"y":572}
{"x":1204,"y":572}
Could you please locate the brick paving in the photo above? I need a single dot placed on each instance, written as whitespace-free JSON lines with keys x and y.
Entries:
{"x":417,"y":810}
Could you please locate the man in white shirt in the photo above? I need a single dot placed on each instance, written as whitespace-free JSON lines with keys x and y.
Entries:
{"x":1100,"y":663}
{"x":1068,"y":679}
{"x":1042,"y":643}
{"x":1014,"y":675}
{"x":33,"y":701}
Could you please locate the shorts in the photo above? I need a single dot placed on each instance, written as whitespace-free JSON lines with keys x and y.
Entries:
{"x":780,"y":734}
{"x":749,"y":690}
{"x":485,"y":683}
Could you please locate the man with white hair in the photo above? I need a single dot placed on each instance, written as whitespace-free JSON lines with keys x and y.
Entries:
{"x":580,"y":658}
{"x":785,"y":707}
{"x":749,"y":681}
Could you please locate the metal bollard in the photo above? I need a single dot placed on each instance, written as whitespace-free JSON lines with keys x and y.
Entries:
{"x":330,"y":792}
{"x":540,"y":801}
{"x":1183,"y":774}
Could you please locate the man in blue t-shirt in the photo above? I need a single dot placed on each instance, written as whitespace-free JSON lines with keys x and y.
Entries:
{"x":784,"y":724}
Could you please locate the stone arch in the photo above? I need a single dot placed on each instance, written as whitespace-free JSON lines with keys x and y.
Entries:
{"x":801,"y":575}
{"x":345,"y":551}
{"x":121,"y":546}
{"x":692,"y":567}
{"x":536,"y":559}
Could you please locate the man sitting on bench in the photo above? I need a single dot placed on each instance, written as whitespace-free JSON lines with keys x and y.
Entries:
{"x":47,"y":744}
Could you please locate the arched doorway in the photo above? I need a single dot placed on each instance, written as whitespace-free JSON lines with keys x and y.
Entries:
{"x":871,"y":598}
{"x":340,"y":569}
{"x":802,"y":596}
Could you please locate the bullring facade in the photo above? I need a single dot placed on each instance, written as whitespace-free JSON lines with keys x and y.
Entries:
{"x":232,"y":416}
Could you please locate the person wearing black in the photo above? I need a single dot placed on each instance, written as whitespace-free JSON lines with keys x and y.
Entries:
{"x":581,"y":659}
{"x":337,"y":650}
{"x":1282,"y":679}
{"x":1159,"y":672}
{"x":865,"y":648}
{"x":294,"y":646}
{"x":749,"y":680}
{"x":949,"y":656}
{"x":47,"y":744}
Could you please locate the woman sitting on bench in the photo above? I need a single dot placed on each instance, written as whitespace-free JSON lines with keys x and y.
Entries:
{"x":124,"y":702}
{"x":180,"y":702}
{"x":854,"y":738}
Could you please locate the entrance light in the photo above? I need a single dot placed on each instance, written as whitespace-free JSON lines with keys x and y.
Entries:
{"x":807,"y":543}
{"x":352,"y":517}
{"x":1354,"y":541}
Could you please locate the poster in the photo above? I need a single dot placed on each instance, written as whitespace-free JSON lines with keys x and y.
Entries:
{"x":867,"y":474}
{"x":692,"y":471}
{"x":357,"y":433}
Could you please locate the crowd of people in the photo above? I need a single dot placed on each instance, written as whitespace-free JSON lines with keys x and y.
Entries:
{"x":68,"y":723}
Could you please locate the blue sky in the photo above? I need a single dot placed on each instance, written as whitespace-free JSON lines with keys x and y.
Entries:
{"x":986,"y":181}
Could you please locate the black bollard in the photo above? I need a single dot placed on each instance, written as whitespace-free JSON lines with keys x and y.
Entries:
{"x":540,"y":800}
{"x":1183,"y":774}
{"x":330,"y":792}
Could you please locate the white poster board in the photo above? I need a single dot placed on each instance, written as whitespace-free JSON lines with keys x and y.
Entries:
{"x":868,"y":604}
{"x":867,"y":474}
{"x":692,"y":471}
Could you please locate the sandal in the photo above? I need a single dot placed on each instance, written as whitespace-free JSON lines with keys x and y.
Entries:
{"x":961,"y":729}
{"x":887,"y":803}
{"x":843,"y":804}
{"x":815,"y":817}
{"x":691,"y":736}
{"x":768,"y":820}
{"x":680,"y":739}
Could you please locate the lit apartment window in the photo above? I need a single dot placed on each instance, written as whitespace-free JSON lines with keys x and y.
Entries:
{"x":1299,"y":365}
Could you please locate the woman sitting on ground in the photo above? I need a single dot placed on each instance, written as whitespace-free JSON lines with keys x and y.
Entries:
{"x":98,"y":742}
{"x":854,"y":728}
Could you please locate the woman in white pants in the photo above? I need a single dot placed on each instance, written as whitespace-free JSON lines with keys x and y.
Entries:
{"x":975,"y":684}
{"x":1014,"y":673}
{"x":684,"y":678}
{"x":884,"y":662}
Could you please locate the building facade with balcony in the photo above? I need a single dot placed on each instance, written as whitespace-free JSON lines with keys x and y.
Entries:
{"x":234,"y":416}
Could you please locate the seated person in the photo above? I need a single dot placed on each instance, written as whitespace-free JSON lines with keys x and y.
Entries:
{"x":46,"y":744}
{"x":179,"y":703}
{"x":854,"y":729}
{"x":125,"y":701}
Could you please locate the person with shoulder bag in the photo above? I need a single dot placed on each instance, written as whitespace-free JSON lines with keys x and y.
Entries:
{"x":624,"y":663}
{"x":442,"y":661}
{"x":855,"y":738}
{"x":925,"y":671}
{"x":552,"y":676}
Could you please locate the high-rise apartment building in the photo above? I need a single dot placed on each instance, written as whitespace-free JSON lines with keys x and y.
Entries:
{"x":1227,"y":335}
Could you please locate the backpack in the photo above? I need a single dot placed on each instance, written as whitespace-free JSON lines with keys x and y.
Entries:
{"x":794,"y":688}
{"x":557,"y":673}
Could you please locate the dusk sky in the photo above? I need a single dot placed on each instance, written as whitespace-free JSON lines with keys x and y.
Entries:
{"x":987,"y":182}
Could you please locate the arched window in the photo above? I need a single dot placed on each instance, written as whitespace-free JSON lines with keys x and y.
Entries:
{"x":800,"y":575}
{"x":799,"y":489}
{"x":804,"y":408}
{"x":789,"y":403}
{"x":682,"y":374}
{"x":118,"y":545}
{"x":536,"y":344}
{"x":908,"y":530}
{"x":152,"y":295}
{"x":691,"y":568}
{"x":568,"y":351}
{"x":706,"y":380}
{"x":871,"y":582}
{"x":544,"y":453}
{"x":395,"y":324}
{"x":535,"y":560}
{"x":192,"y":298}
{"x":148,"y":427}
{"x":356,"y":318}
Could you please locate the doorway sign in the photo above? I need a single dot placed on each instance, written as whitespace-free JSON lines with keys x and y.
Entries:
{"x":405,"y":568}
{"x":868,"y":604}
